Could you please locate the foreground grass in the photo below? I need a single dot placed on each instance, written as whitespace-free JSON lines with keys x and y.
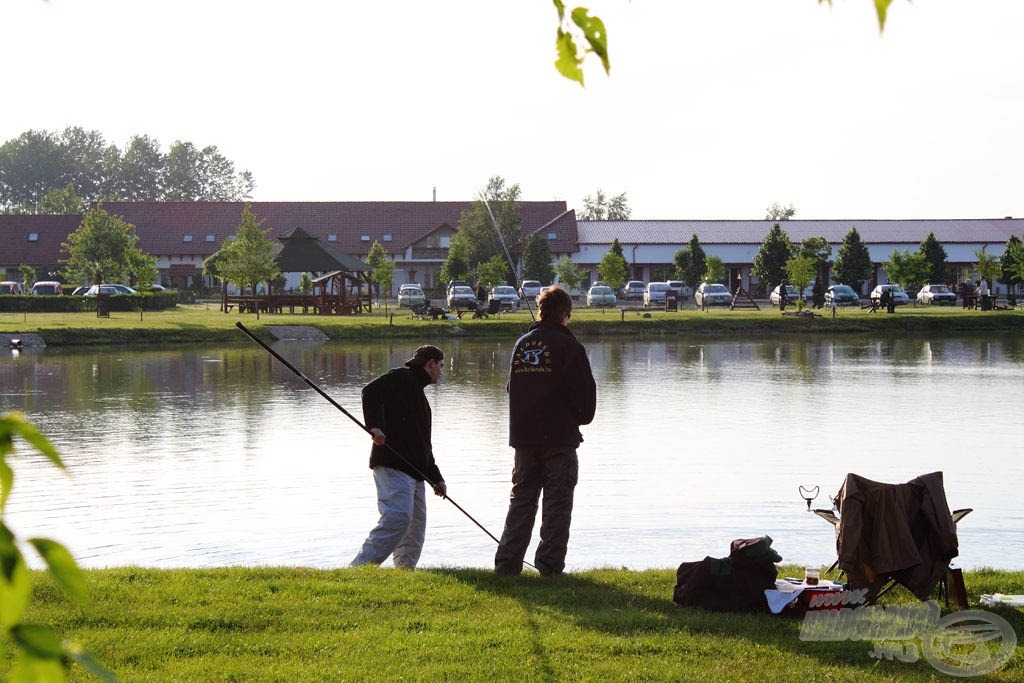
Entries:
{"x":205,"y":323}
{"x":298,"y":625}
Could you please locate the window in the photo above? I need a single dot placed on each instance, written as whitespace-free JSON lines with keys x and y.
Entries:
{"x":552,"y":235}
{"x":445,"y":241}
{"x":387,"y":237}
{"x":210,"y":238}
{"x":33,"y":237}
{"x":364,"y":238}
{"x":186,"y":238}
{"x":332,"y":237}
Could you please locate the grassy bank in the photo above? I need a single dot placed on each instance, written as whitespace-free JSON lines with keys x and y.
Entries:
{"x":206,"y":324}
{"x":452,"y":624}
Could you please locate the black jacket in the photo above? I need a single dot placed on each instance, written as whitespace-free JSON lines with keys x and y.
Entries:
{"x":551,"y":389}
{"x":395,"y":404}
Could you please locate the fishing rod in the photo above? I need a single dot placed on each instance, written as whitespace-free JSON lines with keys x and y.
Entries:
{"x":508,"y":256}
{"x":352,"y":417}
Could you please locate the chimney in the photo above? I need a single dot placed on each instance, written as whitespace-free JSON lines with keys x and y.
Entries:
{"x":435,"y":193}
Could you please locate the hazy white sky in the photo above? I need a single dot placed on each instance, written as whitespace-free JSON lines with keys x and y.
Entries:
{"x":712,"y":110}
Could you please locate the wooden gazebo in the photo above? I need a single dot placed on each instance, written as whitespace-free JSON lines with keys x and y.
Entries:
{"x":341,"y":283}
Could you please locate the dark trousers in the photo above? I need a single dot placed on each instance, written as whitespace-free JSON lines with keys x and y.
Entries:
{"x":553,"y":470}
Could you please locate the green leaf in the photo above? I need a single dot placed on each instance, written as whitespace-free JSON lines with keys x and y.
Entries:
{"x":594,"y":32}
{"x":31,"y":669}
{"x":560,"y":6}
{"x":17,"y":424}
{"x":568,"y":63}
{"x":38,"y":640}
{"x":6,"y":482}
{"x":882,"y":7}
{"x":63,"y":567}
{"x":15,"y":585}
{"x":89,"y":662}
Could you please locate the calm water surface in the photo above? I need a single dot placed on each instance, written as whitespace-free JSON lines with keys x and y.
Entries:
{"x":206,"y":457}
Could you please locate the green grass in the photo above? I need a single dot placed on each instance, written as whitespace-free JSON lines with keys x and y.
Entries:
{"x":205,"y":323}
{"x":274,"y":624}
{"x":461,"y":625}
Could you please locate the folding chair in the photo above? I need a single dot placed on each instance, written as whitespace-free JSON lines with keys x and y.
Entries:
{"x":889,"y":534}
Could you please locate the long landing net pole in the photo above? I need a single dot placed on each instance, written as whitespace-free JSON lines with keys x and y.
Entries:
{"x":313,"y":385}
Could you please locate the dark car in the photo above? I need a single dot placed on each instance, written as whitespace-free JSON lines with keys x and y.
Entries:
{"x":841,"y":295}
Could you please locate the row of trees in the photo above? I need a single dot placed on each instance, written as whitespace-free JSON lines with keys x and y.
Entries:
{"x":50,"y":172}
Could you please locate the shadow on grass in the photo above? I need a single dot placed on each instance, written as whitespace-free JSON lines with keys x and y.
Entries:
{"x":634,"y":605}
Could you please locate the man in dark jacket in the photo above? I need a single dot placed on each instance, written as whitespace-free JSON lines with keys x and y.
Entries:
{"x":397,"y":415}
{"x":551,"y":392}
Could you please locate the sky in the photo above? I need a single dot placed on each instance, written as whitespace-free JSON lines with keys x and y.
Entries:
{"x":712,"y":110}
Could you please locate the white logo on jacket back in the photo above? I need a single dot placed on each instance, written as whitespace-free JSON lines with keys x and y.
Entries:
{"x":532,"y":356}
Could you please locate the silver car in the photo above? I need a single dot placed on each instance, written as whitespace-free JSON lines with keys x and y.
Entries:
{"x":654,"y":294}
{"x":713,"y":294}
{"x":936,"y":294}
{"x":461,"y":296}
{"x":506,"y":296}
{"x":411,"y":295}
{"x":600,"y":295}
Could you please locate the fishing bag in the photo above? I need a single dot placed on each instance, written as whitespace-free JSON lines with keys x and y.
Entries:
{"x":731,"y":584}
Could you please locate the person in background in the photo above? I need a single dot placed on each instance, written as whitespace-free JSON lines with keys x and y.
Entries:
{"x":397,"y":415}
{"x":551,"y":393}
{"x":983,"y":295}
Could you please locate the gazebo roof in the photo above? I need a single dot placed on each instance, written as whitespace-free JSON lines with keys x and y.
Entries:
{"x":300,"y":252}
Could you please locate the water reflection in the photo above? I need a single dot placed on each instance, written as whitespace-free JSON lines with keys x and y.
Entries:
{"x":211,"y":456}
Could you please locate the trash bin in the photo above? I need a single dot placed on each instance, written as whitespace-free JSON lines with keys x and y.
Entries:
{"x":102,"y":305}
{"x":671,"y":300}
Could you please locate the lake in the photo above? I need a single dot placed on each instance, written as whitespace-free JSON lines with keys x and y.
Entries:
{"x":204,"y":457}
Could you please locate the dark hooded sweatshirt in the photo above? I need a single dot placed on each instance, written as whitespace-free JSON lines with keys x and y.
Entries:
{"x":395,"y":404}
{"x":551,"y":388}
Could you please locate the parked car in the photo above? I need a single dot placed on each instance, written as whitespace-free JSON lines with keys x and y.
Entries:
{"x":157,"y":288}
{"x":714,"y":294}
{"x":681,"y":289}
{"x":600,"y":295}
{"x":46,"y":287}
{"x":542,"y":290}
{"x":936,"y":294}
{"x":841,"y":295}
{"x":529,"y":289}
{"x":899,"y":296}
{"x":461,"y":296}
{"x":453,"y":284}
{"x":505,"y":295}
{"x":109,"y":289}
{"x":80,"y":291}
{"x":654,"y":294}
{"x":410,"y":295}
{"x":792,"y":294}
{"x":634,"y":289}
{"x":10,"y":287}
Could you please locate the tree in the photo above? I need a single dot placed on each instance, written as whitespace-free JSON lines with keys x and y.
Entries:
{"x":908,"y":270}
{"x":612,"y":269}
{"x":770,"y":261}
{"x":103,"y":249}
{"x":537,"y":259}
{"x":568,"y":274}
{"x":616,"y":248}
{"x":818,"y":250}
{"x":598,"y":207}
{"x":801,"y":271}
{"x":988,"y":266}
{"x":28,"y":276}
{"x":382,"y":272}
{"x":690,"y":264}
{"x":1012,"y":263}
{"x":853,"y":262}
{"x":778,"y":213}
{"x":481,"y":233}
{"x":935,"y":255}
{"x":39,"y":162}
{"x":493,"y":271}
{"x":249,"y":258}
{"x":714,"y":269}
{"x":456,"y":266}
{"x":62,"y":201}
